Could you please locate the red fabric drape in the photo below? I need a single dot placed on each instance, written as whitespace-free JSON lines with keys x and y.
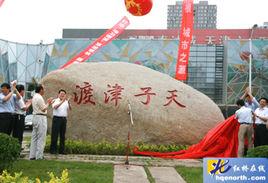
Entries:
{"x":220,"y":141}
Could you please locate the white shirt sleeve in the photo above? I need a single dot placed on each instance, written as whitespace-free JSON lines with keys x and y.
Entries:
{"x":21,"y":103}
{"x":266,"y":113}
{"x":255,"y":102}
{"x":2,"y":97}
{"x":236,"y":114}
{"x":40,"y":103}
{"x":56,"y":102}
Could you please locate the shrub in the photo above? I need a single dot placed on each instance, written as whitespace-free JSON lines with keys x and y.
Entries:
{"x":108,"y":148}
{"x":18,"y":178}
{"x":161,"y":148}
{"x":9,"y":151}
{"x":260,"y":151}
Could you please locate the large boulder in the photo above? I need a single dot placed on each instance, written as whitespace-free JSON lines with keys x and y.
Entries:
{"x":101,"y":92}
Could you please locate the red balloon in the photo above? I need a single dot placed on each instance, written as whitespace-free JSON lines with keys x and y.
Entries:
{"x":139,"y":7}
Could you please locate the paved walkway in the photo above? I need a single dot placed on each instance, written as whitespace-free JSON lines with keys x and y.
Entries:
{"x":129,"y":174}
{"x":162,"y":170}
{"x":134,"y":174}
{"x":165,"y":175}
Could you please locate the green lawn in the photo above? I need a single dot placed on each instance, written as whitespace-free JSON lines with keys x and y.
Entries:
{"x":191,"y":174}
{"x":149,"y":175}
{"x":89,"y":172}
{"x":78,"y":172}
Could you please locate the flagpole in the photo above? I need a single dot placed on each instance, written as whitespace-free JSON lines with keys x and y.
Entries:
{"x":128,"y":136}
{"x":250,"y":63}
{"x":250,"y":58}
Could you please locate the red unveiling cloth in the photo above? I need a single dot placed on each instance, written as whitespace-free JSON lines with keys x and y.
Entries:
{"x":220,"y":141}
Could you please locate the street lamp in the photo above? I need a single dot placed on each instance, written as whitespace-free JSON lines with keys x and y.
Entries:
{"x":250,"y":56}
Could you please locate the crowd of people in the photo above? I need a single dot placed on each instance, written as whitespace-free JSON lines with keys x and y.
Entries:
{"x":13,"y":109}
{"x":253,"y":118}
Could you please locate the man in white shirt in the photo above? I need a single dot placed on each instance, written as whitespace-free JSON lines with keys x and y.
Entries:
{"x":60,"y":107}
{"x":244,"y":117}
{"x":39,"y":132}
{"x":250,"y":101}
{"x":20,"y":112}
{"x":261,"y":119}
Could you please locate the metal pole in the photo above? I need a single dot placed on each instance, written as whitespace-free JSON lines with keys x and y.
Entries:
{"x":128,"y":136}
{"x":250,"y":58}
{"x":250,"y":62}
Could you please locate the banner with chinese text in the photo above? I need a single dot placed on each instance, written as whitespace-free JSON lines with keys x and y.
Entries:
{"x":107,"y":37}
{"x":186,"y":31}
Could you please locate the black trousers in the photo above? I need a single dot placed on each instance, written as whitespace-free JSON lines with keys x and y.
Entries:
{"x":6,"y":123}
{"x":18,"y":127}
{"x":58,"y":130}
{"x":261,"y":135}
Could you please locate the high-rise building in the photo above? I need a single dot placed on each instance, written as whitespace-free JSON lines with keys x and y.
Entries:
{"x":264,"y":26}
{"x":205,"y":15}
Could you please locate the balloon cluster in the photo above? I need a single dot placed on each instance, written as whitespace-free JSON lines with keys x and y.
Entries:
{"x":138,"y":7}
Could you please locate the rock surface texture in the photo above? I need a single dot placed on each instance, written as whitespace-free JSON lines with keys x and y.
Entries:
{"x":164,"y":110}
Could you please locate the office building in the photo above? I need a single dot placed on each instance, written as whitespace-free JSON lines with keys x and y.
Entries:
{"x":205,"y":15}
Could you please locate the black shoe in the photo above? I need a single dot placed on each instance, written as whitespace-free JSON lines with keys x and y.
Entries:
{"x":63,"y":153}
{"x":32,"y":158}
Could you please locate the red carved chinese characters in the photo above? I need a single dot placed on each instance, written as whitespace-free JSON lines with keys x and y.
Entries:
{"x":114,"y":94}
{"x":173,"y":98}
{"x":146,"y":91}
{"x":85,"y":94}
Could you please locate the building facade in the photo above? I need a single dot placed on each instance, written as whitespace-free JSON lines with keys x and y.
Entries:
{"x":205,"y":63}
{"x":215,"y":68}
{"x":237,"y":66}
{"x":23,"y":62}
{"x":205,"y":15}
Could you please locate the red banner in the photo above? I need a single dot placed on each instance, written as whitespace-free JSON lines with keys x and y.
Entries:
{"x":186,"y":31}
{"x":1,"y":2}
{"x":107,"y":37}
